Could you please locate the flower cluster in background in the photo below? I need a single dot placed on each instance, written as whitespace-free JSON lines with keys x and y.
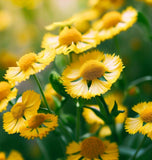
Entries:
{"x":75,"y":87}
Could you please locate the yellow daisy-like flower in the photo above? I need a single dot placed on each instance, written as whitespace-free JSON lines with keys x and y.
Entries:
{"x":14,"y":155}
{"x":81,"y":21}
{"x":39,"y":125}
{"x":22,"y":110}
{"x":113,"y":22}
{"x":29,"y":64}
{"x":91,"y":149}
{"x":6,"y":94}
{"x":50,"y":93}
{"x":92,"y":75}
{"x":142,"y":123}
{"x":70,"y":40}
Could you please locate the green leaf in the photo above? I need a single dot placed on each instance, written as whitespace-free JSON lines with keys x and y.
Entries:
{"x":115,"y":110}
{"x":56,"y":82}
{"x":97,"y":112}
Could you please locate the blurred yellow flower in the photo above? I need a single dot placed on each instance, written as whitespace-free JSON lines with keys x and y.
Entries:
{"x":5,"y":20}
{"x":91,"y":149}
{"x":29,"y":64}
{"x":14,"y":155}
{"x":113,"y":22}
{"x":21,"y":111}
{"x":104,"y":5}
{"x":70,"y":40}
{"x":7,"y":60}
{"x":49,"y":93}
{"x":142,"y":122}
{"x":39,"y":125}
{"x":6,"y":94}
{"x":93,"y":74}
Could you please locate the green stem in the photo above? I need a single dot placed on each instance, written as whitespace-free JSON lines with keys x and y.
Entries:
{"x":43,"y":149}
{"x":78,"y":112}
{"x":142,"y":142}
{"x":10,"y":102}
{"x":100,"y":100}
{"x":140,"y":80}
{"x":45,"y":101}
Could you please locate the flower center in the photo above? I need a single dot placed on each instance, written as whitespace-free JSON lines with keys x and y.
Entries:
{"x":18,"y":110}
{"x":110,"y":19}
{"x":92,"y":147}
{"x":5,"y":89}
{"x":146,"y":115}
{"x":92,"y":69}
{"x":26,"y":61}
{"x":36,"y":120}
{"x":2,"y":156}
{"x":69,"y":35}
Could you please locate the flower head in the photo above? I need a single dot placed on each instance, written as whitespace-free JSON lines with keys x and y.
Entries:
{"x":39,"y":125}
{"x":143,"y":122}
{"x":6,"y":94}
{"x":113,"y":22}
{"x":70,"y":40}
{"x":92,"y":148}
{"x":92,"y":75}
{"x":21,"y":111}
{"x":29,"y":64}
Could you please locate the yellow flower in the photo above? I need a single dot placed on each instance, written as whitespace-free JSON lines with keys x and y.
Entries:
{"x":7,"y":60}
{"x":141,"y":123}
{"x":21,"y":111}
{"x":70,"y":40}
{"x":6,"y":20}
{"x":2,"y":156}
{"x":113,"y":22}
{"x":92,"y":75}
{"x":6,"y":94}
{"x":81,"y":21}
{"x":29,"y":64}
{"x":14,"y":155}
{"x":104,"y":5}
{"x":91,"y":149}
{"x":50,"y":93}
{"x":39,"y":125}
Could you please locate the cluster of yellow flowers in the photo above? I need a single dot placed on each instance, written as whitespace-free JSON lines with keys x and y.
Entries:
{"x":89,"y":74}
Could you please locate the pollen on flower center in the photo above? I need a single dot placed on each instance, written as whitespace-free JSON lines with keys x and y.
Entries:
{"x":27,"y":61}
{"x":18,"y":110}
{"x":92,"y":147}
{"x":110,"y":19}
{"x":146,"y":115}
{"x":36,"y":120}
{"x":69,"y":35}
{"x":92,"y":69}
{"x":5,"y":89}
